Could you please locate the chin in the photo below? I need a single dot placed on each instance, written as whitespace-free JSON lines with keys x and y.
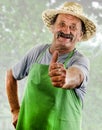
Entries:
{"x":66,"y":44}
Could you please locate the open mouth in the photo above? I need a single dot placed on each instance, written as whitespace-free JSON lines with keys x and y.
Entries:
{"x":63,"y":35}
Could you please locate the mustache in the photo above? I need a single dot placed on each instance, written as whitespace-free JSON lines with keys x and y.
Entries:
{"x":68,"y":36}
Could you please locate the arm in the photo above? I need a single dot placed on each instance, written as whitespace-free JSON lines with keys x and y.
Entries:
{"x":74,"y":78}
{"x":65,"y":78}
{"x":11,"y":89}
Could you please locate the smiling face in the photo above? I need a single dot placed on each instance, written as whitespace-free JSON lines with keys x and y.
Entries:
{"x":67,"y":31}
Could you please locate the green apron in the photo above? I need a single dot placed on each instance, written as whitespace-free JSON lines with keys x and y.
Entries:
{"x":45,"y":107}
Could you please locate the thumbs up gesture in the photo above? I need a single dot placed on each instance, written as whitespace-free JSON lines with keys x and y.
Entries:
{"x":57,"y":72}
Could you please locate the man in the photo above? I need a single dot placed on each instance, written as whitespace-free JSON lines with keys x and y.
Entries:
{"x":57,"y":74}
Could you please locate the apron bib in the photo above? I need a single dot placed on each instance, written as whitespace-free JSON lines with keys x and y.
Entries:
{"x":45,"y":107}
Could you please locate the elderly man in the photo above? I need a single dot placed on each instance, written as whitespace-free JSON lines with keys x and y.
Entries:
{"x":57,"y":74}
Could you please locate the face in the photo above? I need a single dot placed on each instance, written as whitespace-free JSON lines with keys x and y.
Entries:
{"x":67,"y":32}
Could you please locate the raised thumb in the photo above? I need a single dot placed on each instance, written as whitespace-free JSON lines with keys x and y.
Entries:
{"x":54,"y":57}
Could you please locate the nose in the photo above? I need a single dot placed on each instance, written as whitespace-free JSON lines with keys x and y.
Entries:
{"x":67,"y":30}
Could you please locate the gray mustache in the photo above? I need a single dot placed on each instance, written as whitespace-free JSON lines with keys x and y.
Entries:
{"x":61,"y":34}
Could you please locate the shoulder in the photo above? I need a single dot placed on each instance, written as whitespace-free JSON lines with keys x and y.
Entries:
{"x":39,"y":47}
{"x":80,"y":58}
{"x":36,"y":50}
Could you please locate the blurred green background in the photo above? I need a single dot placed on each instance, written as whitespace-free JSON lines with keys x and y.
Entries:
{"x":21,"y":27}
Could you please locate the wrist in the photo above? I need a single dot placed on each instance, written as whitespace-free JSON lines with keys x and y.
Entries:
{"x":15,"y":111}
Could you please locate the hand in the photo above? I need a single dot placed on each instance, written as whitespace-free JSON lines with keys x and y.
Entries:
{"x":15,"y":119}
{"x":57,"y":72}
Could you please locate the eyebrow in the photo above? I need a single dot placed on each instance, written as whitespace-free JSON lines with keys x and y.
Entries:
{"x":64,"y":22}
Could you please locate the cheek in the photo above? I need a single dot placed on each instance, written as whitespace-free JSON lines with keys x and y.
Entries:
{"x":76,"y":34}
{"x":55,"y":29}
{"x":79,"y":36}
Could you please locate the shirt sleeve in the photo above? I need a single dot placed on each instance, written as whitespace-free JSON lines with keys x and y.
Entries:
{"x":83,"y":64}
{"x":21,"y":69}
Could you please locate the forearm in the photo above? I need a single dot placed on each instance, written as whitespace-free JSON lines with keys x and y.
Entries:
{"x":74,"y":78}
{"x":11,"y":89}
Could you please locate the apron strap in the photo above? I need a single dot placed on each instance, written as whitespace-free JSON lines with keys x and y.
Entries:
{"x":66,"y":61}
{"x":41,"y":54}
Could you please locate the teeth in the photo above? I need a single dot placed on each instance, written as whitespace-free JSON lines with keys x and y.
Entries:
{"x":61,"y":34}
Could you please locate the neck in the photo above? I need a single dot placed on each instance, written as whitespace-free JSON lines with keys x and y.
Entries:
{"x":61,"y":50}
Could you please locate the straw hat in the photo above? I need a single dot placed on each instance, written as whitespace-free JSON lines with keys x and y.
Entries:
{"x":74,"y":9}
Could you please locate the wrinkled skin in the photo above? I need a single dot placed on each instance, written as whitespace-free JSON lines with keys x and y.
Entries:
{"x":68,"y":25}
{"x":67,"y":32}
{"x":57,"y":72}
{"x":64,"y":78}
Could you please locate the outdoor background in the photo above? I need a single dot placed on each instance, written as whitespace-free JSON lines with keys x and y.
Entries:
{"x":21,"y":27}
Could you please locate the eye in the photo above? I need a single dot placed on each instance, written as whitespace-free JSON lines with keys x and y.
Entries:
{"x":62,"y":24}
{"x":73,"y":27}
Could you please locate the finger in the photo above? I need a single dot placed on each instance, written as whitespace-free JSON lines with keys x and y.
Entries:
{"x":57,"y":72}
{"x":54,"y":57}
{"x":58,"y":78}
{"x":56,"y":66}
{"x":54,"y":72}
{"x":14,"y":124}
{"x":58,"y":84}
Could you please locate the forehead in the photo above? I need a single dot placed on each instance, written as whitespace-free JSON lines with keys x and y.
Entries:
{"x":67,"y":18}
